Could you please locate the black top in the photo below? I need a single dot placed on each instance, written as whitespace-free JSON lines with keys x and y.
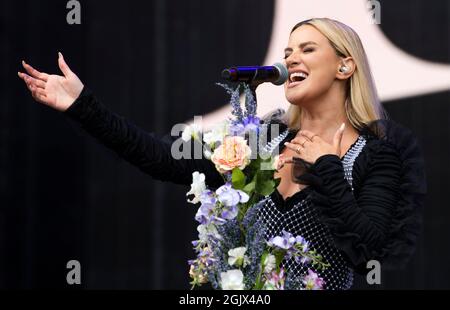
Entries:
{"x":375,"y":216}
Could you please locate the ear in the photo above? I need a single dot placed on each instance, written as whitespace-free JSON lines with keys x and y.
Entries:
{"x":345,"y":68}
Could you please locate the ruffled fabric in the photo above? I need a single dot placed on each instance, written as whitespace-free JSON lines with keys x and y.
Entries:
{"x":381,"y":218}
{"x":151,"y":154}
{"x":407,"y":219}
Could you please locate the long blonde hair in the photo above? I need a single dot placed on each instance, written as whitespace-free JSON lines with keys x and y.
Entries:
{"x":362,"y":104}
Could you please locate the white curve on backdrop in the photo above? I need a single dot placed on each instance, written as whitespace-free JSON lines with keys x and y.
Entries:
{"x":397,"y":74}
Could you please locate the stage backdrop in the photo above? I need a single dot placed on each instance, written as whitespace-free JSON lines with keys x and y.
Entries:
{"x":64,"y":197}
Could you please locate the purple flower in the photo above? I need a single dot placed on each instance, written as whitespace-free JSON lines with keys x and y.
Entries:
{"x":207,"y":197}
{"x":229,"y":213}
{"x":302,"y":259}
{"x":237,"y":129}
{"x":251,"y":123}
{"x":302,"y":244}
{"x":285,"y":242}
{"x":248,"y":124}
{"x":312,"y":281}
{"x":204,"y":213}
{"x":275,"y":280}
{"x":229,"y":197}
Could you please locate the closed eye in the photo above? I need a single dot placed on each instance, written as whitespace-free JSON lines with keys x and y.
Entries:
{"x":306,"y":50}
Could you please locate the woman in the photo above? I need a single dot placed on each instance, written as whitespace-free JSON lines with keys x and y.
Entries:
{"x":352,"y":182}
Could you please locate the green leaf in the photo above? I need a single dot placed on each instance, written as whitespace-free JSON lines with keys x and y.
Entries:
{"x":238,"y":178}
{"x":265,"y":187}
{"x":249,"y":188}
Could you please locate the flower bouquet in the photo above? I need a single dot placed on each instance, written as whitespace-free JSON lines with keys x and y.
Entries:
{"x":232,"y":251}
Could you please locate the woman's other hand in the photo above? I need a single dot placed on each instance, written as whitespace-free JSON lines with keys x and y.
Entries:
{"x":58,"y":92}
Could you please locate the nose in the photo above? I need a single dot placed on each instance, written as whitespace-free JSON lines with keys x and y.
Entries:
{"x":293,"y":59}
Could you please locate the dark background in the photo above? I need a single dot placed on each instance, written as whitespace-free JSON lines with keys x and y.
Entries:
{"x":64,"y":197}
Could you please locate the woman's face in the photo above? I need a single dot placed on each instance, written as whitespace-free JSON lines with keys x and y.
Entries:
{"x":310,"y":55}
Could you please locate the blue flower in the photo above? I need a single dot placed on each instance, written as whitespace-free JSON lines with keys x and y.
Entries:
{"x":229,"y":213}
{"x":285,"y":242}
{"x":229,"y":196}
{"x":204,"y":213}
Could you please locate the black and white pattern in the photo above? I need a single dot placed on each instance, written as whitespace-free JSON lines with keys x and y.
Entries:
{"x":302,"y":219}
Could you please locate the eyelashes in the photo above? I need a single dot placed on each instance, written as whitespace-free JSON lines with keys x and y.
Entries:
{"x":306,"y":51}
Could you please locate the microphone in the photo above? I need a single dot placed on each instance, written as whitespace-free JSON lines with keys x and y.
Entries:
{"x":277,"y":74}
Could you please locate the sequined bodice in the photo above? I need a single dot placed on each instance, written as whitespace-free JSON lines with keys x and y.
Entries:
{"x":301,"y":218}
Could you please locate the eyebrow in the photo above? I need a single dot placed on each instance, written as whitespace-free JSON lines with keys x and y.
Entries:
{"x":301,"y":45}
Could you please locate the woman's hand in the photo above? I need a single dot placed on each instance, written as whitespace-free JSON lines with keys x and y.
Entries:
{"x":58,"y":92}
{"x":310,"y":146}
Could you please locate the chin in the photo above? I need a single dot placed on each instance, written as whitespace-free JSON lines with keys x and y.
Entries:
{"x":295,"y":97}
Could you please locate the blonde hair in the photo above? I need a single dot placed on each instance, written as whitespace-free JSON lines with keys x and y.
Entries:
{"x":362,"y":104}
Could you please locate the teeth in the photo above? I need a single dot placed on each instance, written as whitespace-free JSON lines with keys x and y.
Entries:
{"x":299,"y":74}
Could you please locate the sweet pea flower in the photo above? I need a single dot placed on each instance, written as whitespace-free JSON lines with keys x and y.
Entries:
{"x":275,"y":280}
{"x":237,"y":257}
{"x":269,"y":263}
{"x":216,"y":134}
{"x":207,"y":231}
{"x":229,"y":196}
{"x":192,"y":131}
{"x":205,"y":214}
{"x":229,"y":213}
{"x":312,"y":281}
{"x":197,"y":187}
{"x":232,"y":280}
{"x":285,"y":242}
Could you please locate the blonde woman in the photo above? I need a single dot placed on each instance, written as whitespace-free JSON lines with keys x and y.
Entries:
{"x":352,"y":182}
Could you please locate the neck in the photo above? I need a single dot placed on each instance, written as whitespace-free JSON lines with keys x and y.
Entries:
{"x":324,"y":115}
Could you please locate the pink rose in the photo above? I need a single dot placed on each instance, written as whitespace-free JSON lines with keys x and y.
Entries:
{"x":233,"y":152}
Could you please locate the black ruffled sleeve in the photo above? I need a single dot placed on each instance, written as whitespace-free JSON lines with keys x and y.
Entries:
{"x":144,"y":150}
{"x":380,"y":219}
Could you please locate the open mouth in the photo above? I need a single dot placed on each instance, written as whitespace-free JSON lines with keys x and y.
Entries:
{"x":296,"y":78}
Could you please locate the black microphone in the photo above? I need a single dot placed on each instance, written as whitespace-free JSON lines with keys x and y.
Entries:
{"x":277,"y":74}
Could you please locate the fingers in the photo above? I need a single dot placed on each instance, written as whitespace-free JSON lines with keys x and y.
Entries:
{"x":298,"y":148}
{"x":308,"y":134}
{"x":37,"y":92}
{"x":283,"y":161}
{"x":30,"y":80}
{"x":300,"y":140}
{"x":23,"y":76}
{"x":63,"y":65}
{"x":39,"y":95}
{"x":34,"y":73}
{"x":338,"y":137}
{"x":288,"y":160}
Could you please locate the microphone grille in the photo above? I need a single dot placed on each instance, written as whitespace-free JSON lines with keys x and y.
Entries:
{"x":283,"y":73}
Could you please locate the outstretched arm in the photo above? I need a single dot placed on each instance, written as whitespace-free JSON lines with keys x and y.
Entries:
{"x":150,"y":154}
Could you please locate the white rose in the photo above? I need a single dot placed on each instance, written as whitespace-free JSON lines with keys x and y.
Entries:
{"x":232,"y":280}
{"x":198,"y":186}
{"x":269,"y":263}
{"x":237,"y":257}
